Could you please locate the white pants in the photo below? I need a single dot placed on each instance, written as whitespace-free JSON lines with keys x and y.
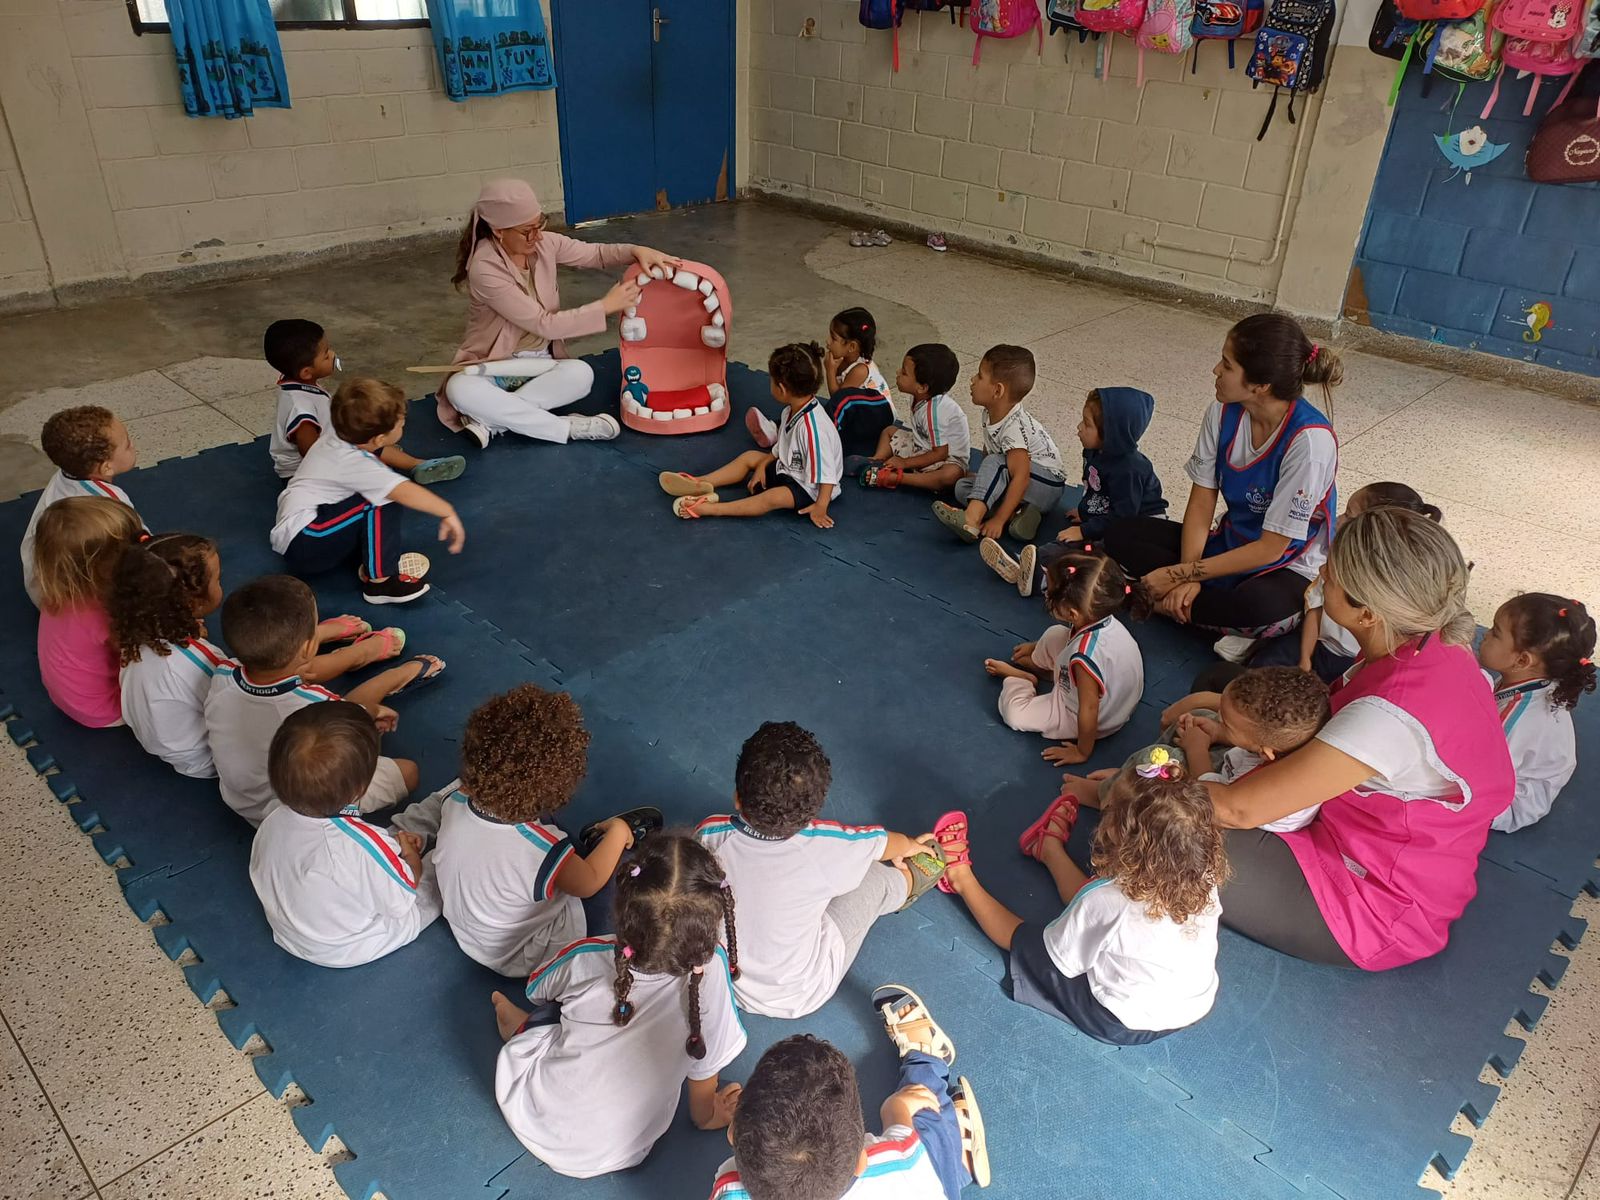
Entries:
{"x":528,"y":409}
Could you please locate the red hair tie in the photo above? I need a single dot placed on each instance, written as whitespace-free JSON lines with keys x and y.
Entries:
{"x":1312,"y":357}
{"x":1561,"y":612}
{"x":1088,"y":549}
{"x":1127,"y":590}
{"x":1584,"y":662}
{"x":144,"y":536}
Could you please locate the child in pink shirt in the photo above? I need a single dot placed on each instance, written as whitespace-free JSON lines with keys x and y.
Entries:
{"x":77,"y":541}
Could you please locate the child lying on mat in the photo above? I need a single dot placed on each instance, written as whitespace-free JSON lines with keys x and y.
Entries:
{"x":591,"y":1088}
{"x":90,"y":448}
{"x":809,"y":890}
{"x":271,"y":626}
{"x":299,"y":352}
{"x":798,"y":1134}
{"x":512,"y":881}
{"x":800,"y":475}
{"x":1134,"y":955}
{"x":930,"y":453}
{"x":1095,"y":669}
{"x":337,"y":891}
{"x":1260,"y":715}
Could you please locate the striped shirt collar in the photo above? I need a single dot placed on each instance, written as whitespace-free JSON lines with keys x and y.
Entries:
{"x":280,"y":688}
{"x":814,"y":402}
{"x":744,"y":827}
{"x":1522,"y":689}
{"x":1079,"y":631}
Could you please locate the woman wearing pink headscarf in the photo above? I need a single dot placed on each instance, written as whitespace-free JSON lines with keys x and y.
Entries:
{"x":508,"y":263}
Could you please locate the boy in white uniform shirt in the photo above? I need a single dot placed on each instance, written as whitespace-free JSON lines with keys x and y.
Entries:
{"x":271,"y":625}
{"x":344,"y":503}
{"x":798,"y":1135}
{"x":808,"y":890}
{"x":337,"y":891}
{"x":803,"y":469}
{"x":930,"y":453}
{"x":512,"y":881}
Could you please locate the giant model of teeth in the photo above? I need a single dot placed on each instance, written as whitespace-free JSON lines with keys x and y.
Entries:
{"x":674,"y":339}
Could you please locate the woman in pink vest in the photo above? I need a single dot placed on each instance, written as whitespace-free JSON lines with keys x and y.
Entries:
{"x":1410,"y":770}
{"x":508,"y":263}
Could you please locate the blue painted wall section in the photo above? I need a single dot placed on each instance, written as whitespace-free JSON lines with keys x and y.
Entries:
{"x":1458,"y":263}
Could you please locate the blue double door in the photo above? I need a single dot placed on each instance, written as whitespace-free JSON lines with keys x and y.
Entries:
{"x":645,"y":102}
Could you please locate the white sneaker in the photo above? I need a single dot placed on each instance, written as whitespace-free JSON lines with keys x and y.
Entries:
{"x":600,"y":428}
{"x":998,"y":561}
{"x":762,"y":431}
{"x":478,"y":431}
{"x":1027,"y":569}
{"x":1233,"y":648}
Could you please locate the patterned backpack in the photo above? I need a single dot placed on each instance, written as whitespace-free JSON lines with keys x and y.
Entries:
{"x":1167,"y":28}
{"x":1224,"y":21}
{"x":1291,"y":52}
{"x":1588,"y":46}
{"x":1566,"y":149}
{"x":884,"y":14}
{"x":1004,"y":19}
{"x":1063,"y":14}
{"x":1437,"y":10}
{"x":1467,"y":51}
{"x":1539,"y":20}
{"x":1111,"y":16}
{"x":1539,"y":59}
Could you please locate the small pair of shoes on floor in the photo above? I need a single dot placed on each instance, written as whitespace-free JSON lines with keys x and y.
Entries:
{"x":870,"y":237}
{"x":690,"y":493}
{"x":602,"y":427}
{"x":1022,"y":571}
{"x":405,"y":585}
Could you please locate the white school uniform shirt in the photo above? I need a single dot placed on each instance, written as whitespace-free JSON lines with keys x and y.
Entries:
{"x":299,"y":404}
{"x":898,"y":1168}
{"x":1543,"y":748}
{"x":940,"y":421}
{"x":498,"y":881}
{"x":1239,"y":762}
{"x":791,"y":954}
{"x":336,"y":890}
{"x":808,"y":449}
{"x":1307,"y":469}
{"x":332,"y":470}
{"x":241,"y":718}
{"x":164,"y":703}
{"x":1114,"y":661}
{"x":60,"y":487}
{"x":588,"y":1096}
{"x":1331,"y":634}
{"x":1020,"y":430}
{"x":1151,"y":972}
{"x":875,"y":381}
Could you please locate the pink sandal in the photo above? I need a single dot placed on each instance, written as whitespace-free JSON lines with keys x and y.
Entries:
{"x":393,"y":639}
{"x":1064,"y":807}
{"x":346,"y":628}
{"x":688,"y":507}
{"x":948,"y":829}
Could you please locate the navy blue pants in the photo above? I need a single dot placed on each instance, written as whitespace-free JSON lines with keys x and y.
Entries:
{"x":940,"y":1132}
{"x":351,"y":528}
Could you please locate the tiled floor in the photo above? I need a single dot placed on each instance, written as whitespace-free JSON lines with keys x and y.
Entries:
{"x":115,"y":1082}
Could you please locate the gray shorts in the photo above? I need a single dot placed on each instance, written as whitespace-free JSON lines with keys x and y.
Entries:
{"x":991,"y":480}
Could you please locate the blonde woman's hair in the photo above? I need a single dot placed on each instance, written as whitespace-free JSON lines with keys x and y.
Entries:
{"x":1408,"y":571}
{"x":75,"y":546}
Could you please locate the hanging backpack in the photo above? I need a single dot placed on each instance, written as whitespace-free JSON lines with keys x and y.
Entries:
{"x":1541,"y":59}
{"x":1566,"y":149}
{"x":1004,"y":19}
{"x":1588,"y":46}
{"x":1167,"y":28}
{"x":1467,"y":51}
{"x":1224,"y":21}
{"x":1063,"y":14}
{"x":1111,"y":16}
{"x":1291,"y":52}
{"x":1539,"y":20}
{"x":1437,"y":10}
{"x":958,"y":8}
{"x":884,"y":14}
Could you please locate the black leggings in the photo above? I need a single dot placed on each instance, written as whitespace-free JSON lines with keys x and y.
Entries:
{"x":1269,"y":901}
{"x":1144,"y":544}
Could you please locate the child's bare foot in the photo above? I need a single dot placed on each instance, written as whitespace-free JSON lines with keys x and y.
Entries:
{"x":343,"y":628}
{"x":1084,"y":789}
{"x":1002,"y":669}
{"x":508,"y":1018}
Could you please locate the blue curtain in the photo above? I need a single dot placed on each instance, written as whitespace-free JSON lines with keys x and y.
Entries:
{"x":490,"y":46}
{"x":229,"y":60}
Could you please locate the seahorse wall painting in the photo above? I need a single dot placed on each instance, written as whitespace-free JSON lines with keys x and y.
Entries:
{"x":1538,"y":320}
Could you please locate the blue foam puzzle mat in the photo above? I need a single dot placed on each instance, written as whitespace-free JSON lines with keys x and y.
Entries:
{"x":678,"y":638}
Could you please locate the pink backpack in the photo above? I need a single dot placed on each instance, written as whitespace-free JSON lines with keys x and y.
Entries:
{"x":1539,"y":59}
{"x":1540,"y":20}
{"x":1004,"y":19}
{"x":1111,"y":16}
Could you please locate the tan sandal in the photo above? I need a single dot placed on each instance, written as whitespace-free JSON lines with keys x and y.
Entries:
{"x":969,"y":1119}
{"x":681,"y":483}
{"x":688,"y":507}
{"x":909,"y":1023}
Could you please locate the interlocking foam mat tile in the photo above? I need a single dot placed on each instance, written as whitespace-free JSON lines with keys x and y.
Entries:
{"x":678,"y":638}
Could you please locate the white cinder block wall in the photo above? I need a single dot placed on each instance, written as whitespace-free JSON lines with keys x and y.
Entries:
{"x":1028,"y":150}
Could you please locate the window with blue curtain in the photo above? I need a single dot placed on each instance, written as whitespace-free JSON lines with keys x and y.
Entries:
{"x":229,"y":60}
{"x":487,"y":47}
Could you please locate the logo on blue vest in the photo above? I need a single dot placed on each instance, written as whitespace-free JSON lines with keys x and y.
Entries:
{"x":1259,"y":499}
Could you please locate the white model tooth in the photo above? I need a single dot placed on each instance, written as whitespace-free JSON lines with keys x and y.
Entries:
{"x":711,"y":303}
{"x":663,"y":414}
{"x":687,"y":280}
{"x":713,"y":336}
{"x":705,"y":287}
{"x":702,"y":410}
{"x":717,"y":319}
{"x":681,"y":414}
{"x":642,"y":280}
{"x":656,"y":273}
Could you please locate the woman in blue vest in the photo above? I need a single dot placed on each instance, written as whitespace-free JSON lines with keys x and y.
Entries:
{"x":1271,"y":456}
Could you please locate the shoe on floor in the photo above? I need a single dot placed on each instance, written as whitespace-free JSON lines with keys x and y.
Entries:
{"x":1233,"y":648}
{"x":476,"y":430}
{"x":439,"y":470}
{"x":681,"y":483}
{"x":599,"y":428}
{"x":1024,"y":524}
{"x":414,"y":564}
{"x":396,"y":589}
{"x":763,"y":431}
{"x":1027,"y":569}
{"x":998,"y":561}
{"x":936,"y":242}
{"x":955,"y":520}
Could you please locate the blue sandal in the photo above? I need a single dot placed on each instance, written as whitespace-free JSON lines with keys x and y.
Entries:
{"x":430,"y":673}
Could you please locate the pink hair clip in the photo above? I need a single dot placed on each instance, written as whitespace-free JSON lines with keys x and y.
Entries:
{"x":1127,"y":589}
{"x":627,"y":952}
{"x":1315,"y":350}
{"x":1154,"y":771}
{"x":634,"y":870}
{"x":1088,"y":549}
{"x":1072,"y":570}
{"x":724,"y":885}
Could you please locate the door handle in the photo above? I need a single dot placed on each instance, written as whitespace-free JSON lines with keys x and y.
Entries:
{"x":656,"y":22}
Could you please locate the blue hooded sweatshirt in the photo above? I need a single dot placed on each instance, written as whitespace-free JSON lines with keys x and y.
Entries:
{"x":1118,"y":481}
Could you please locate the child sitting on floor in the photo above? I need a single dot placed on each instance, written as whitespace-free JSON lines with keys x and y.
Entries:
{"x":641,"y":1011}
{"x":1262,"y":714}
{"x":858,"y":404}
{"x":803,"y":471}
{"x":809,"y":890}
{"x":337,"y":891}
{"x":299,"y":352}
{"x":75,"y":546}
{"x":90,"y":448}
{"x":931,"y":453}
{"x":1542,"y":648}
{"x":1095,"y":669}
{"x":511,"y":880}
{"x":1020,"y":478}
{"x":1134,"y":955}
{"x":798,"y":1134}
{"x":270,"y":624}
{"x":344,"y":503}
{"x":1118,"y":481}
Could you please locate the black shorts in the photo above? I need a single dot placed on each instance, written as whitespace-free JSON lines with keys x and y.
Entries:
{"x":773,"y":476}
{"x":1036,"y":982}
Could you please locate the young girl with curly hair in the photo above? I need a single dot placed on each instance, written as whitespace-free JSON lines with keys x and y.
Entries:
{"x":1134,"y":955}
{"x":76,"y":543}
{"x":641,"y":1011}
